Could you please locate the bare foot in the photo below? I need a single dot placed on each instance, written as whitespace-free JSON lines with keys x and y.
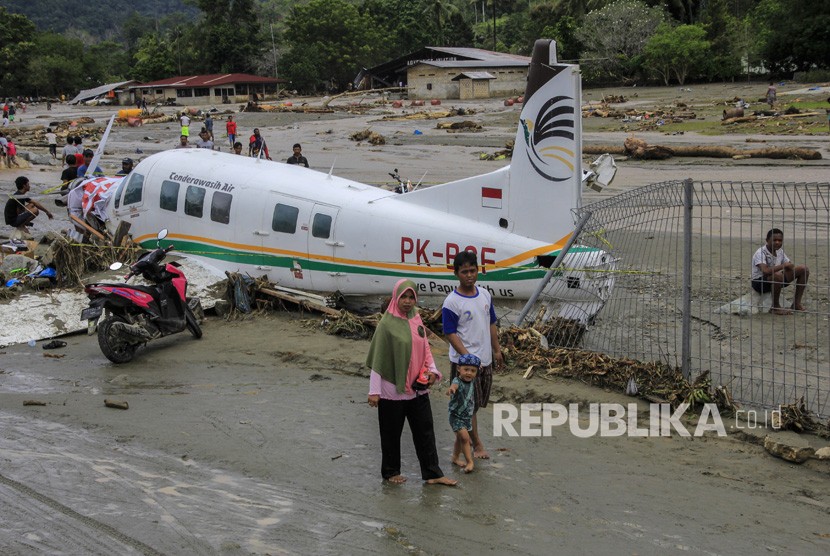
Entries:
{"x":469,"y":468}
{"x":780,"y":311}
{"x":446,"y":481}
{"x":798,"y":307}
{"x":481,"y":454}
{"x":397,"y":480}
{"x":459,"y":462}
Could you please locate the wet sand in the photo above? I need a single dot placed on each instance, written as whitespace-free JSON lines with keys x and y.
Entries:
{"x":268,"y":447}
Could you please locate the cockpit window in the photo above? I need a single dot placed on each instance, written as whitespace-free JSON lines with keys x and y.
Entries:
{"x":135,"y":185}
{"x":169,"y":199}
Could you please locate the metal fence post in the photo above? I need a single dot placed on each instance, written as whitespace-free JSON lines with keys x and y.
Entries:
{"x":556,"y":262}
{"x":686,"y":349}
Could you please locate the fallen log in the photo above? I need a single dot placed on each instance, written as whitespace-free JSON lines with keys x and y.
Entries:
{"x":730,"y":152}
{"x":741,"y":120}
{"x":117,"y":404}
{"x":710,"y":151}
{"x":362,"y":92}
{"x":637,"y":148}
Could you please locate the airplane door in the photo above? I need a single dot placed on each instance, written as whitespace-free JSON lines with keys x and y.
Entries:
{"x":324,"y":248}
{"x":281,"y":233}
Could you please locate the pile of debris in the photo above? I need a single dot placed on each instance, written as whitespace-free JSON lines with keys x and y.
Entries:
{"x":56,"y":261}
{"x":368,"y":135}
{"x":499,"y":155}
{"x":796,"y":417}
{"x":466,"y":125}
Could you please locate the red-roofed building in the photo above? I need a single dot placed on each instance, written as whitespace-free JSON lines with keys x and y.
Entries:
{"x":208,"y":89}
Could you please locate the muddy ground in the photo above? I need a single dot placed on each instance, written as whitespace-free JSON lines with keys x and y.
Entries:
{"x":257,"y":439}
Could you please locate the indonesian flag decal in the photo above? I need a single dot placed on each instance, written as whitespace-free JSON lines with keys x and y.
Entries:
{"x":491,"y":197}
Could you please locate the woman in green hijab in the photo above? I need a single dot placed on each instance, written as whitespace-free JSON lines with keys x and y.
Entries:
{"x":402,"y":372}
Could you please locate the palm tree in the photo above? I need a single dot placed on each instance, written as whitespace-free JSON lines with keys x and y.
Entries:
{"x":440,"y":10}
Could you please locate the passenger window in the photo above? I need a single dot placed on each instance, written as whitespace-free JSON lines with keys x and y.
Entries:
{"x":169,"y":199}
{"x":194,"y":201}
{"x":321,"y":227}
{"x":220,"y":207}
{"x":285,"y":219}
{"x":132,"y":194}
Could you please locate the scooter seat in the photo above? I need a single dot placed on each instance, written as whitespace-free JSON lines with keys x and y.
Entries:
{"x":146,"y":289}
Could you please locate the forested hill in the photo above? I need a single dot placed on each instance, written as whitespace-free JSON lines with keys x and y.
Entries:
{"x":101,"y":18}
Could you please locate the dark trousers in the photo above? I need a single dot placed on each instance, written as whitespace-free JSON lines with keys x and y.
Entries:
{"x":391,"y":415}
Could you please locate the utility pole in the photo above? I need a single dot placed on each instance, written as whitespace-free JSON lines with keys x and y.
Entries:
{"x":494,"y":25}
{"x":274,"y":49}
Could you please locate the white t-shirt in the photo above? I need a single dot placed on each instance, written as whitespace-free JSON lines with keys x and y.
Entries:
{"x":763,"y":256}
{"x":185,"y":121}
{"x":474,"y":315}
{"x":51,"y":139}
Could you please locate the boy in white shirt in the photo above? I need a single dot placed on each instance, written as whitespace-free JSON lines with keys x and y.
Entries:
{"x":469,"y":323}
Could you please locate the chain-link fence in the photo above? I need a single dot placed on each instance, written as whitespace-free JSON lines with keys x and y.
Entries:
{"x":691,"y":244}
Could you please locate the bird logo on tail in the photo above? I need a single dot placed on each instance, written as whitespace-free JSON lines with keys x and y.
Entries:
{"x":550,"y":144}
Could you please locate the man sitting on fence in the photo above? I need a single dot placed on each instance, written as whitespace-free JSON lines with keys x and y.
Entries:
{"x":772,"y":270}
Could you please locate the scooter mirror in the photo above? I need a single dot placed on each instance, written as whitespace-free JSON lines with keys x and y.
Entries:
{"x":116,"y":265}
{"x":162,"y":234}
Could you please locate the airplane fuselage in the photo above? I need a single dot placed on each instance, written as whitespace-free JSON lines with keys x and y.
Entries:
{"x":308,"y":230}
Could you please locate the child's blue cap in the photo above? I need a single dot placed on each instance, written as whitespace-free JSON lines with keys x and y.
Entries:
{"x":470,"y":360}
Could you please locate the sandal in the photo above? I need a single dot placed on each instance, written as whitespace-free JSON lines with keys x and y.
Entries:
{"x":54,"y":344}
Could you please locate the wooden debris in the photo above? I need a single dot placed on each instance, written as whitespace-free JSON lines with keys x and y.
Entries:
{"x":796,"y":417}
{"x":368,"y":135}
{"x":300,"y":302}
{"x":116,"y":404}
{"x":87,"y":227}
{"x":466,"y":125}
{"x":33,"y":402}
{"x":423,"y":115}
{"x":637,"y":148}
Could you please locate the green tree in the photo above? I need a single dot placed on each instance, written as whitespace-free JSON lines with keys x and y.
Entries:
{"x":16,"y":43}
{"x":402,"y":25}
{"x":341,"y":38}
{"x":681,"y":50}
{"x":728,"y":34}
{"x":133,"y":28}
{"x":439,"y":13}
{"x":614,"y":38}
{"x":56,"y":65}
{"x":794,"y":34}
{"x":153,"y":59}
{"x":229,"y":38}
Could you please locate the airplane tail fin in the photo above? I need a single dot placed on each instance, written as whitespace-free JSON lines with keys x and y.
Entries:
{"x":535,"y":194}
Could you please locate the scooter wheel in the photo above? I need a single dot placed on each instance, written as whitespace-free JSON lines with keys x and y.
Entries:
{"x":192,"y":325}
{"x":114,"y":347}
